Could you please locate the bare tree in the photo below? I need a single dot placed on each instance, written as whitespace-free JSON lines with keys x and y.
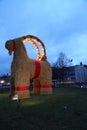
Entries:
{"x":63,"y":61}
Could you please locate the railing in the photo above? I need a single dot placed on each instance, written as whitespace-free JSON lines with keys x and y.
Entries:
{"x":70,"y":83}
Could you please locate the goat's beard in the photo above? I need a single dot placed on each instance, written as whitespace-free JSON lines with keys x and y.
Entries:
{"x":10,"y":52}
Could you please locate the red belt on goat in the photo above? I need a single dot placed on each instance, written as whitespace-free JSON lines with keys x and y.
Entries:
{"x":14,"y":45}
{"x":37,"y":69}
{"x":21,"y":88}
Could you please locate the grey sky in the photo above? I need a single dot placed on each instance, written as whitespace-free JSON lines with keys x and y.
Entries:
{"x":60,"y":24}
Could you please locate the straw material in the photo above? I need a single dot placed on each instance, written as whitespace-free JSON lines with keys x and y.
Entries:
{"x":43,"y":84}
{"x":23,"y":69}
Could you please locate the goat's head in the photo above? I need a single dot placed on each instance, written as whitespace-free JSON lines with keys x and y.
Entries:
{"x":11,"y":45}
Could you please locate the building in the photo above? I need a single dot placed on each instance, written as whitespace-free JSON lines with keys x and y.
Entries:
{"x":77,"y":73}
{"x":5,"y":81}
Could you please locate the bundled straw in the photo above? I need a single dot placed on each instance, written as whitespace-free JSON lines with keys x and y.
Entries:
{"x":23,"y":69}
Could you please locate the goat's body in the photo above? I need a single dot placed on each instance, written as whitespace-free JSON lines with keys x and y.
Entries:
{"x":23,"y":70}
{"x":22,"y":73}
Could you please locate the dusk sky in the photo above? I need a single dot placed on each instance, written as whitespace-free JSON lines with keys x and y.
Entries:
{"x":60,"y":24}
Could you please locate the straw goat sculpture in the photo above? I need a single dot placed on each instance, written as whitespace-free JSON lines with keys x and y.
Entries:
{"x":23,"y":69}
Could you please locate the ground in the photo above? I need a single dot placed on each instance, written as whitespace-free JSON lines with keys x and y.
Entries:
{"x":65,"y":109}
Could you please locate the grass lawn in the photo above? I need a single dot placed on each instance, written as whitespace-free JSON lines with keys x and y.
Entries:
{"x":65,"y":109}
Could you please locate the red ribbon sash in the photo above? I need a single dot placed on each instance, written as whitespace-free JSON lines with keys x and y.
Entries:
{"x":20,"y":88}
{"x":14,"y":45}
{"x":37,"y":69}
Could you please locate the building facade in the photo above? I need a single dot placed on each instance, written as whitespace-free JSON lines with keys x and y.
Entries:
{"x":73,"y":75}
{"x":77,"y":73}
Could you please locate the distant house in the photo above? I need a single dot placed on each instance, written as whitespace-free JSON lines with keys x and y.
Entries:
{"x":77,"y":73}
{"x":69,"y":76}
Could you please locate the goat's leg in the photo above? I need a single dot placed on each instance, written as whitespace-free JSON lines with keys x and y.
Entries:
{"x":36,"y":87}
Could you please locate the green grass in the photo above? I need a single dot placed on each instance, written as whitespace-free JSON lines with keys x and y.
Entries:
{"x":65,"y":109}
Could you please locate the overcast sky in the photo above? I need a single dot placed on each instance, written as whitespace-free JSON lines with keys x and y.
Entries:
{"x":60,"y":24}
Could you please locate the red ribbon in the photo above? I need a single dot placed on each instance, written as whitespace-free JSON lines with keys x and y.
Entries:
{"x":46,"y":86}
{"x":20,"y":88}
{"x":37,"y":86}
{"x":37,"y":69}
{"x":14,"y":45}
